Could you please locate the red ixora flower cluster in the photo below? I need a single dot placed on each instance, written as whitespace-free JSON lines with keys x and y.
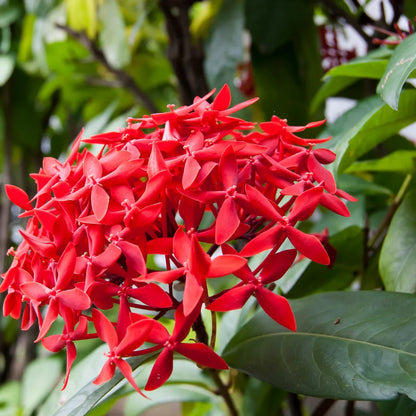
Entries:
{"x":195,"y":187}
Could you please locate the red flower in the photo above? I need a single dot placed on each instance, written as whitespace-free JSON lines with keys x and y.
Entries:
{"x":276,"y":306}
{"x":198,"y":352}
{"x":175,"y":188}
{"x":120,"y":346}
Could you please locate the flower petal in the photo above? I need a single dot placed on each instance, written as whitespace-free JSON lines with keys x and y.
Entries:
{"x":202,"y":354}
{"x":227,"y":221}
{"x":105,"y":329}
{"x":305,"y":204}
{"x":74,"y":299}
{"x":277,"y":265}
{"x":99,"y":201}
{"x":277,"y":307}
{"x":234,"y":298}
{"x":18,"y":196}
{"x":161,"y":371}
{"x":137,"y":333}
{"x":226,"y":264}
{"x":308,"y":245}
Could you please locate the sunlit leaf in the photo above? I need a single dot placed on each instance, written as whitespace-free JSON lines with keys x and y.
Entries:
{"x":400,"y":66}
{"x":6,"y":68}
{"x":366,"y":125}
{"x":399,"y":161}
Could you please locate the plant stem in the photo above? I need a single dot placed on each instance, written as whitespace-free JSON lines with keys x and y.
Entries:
{"x":323,"y":407}
{"x":349,"y":409}
{"x":123,"y":77}
{"x":214,"y":329}
{"x":185,"y":54}
{"x":222,"y":389}
{"x":295,"y":405}
{"x":375,"y":241}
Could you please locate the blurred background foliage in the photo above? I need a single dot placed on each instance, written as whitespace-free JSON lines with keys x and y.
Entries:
{"x":68,"y":64}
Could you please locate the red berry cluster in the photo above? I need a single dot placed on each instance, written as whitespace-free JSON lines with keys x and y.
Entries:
{"x":195,"y":187}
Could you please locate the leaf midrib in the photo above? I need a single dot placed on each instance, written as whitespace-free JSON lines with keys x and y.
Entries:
{"x":332,"y":337}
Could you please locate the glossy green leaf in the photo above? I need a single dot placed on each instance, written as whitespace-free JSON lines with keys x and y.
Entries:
{"x":342,"y":76}
{"x":7,"y":63}
{"x":400,"y":66}
{"x":360,"y":69}
{"x":398,"y":254}
{"x":349,"y":345}
{"x":38,"y":381}
{"x":399,"y":161}
{"x":366,"y":125}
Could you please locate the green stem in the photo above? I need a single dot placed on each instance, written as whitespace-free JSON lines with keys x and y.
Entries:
{"x":222,"y":388}
{"x":374,"y":242}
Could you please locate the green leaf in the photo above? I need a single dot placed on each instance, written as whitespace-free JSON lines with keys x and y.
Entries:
{"x":135,"y":404}
{"x":336,"y":224}
{"x":95,"y":125}
{"x":81,"y":395}
{"x":287,"y":78}
{"x":272,"y":23}
{"x":349,"y":345}
{"x":38,"y":381}
{"x":409,"y":8}
{"x":82,"y":16}
{"x":113,"y":39}
{"x":331,"y":87}
{"x":360,"y":69}
{"x":356,"y":185}
{"x":151,"y":71}
{"x":342,"y":76}
{"x":398,"y":254}
{"x":319,"y":278}
{"x":261,"y":399}
{"x":187,"y":383}
{"x":9,"y":13}
{"x":7,"y":63}
{"x":399,"y":161}
{"x":400,"y":66}
{"x":366,"y":125}
{"x":9,"y":398}
{"x":397,"y":407}
{"x":91,"y":394}
{"x":224,"y":46}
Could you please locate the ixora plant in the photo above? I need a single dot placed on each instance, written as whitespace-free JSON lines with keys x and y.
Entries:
{"x":119,"y":240}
